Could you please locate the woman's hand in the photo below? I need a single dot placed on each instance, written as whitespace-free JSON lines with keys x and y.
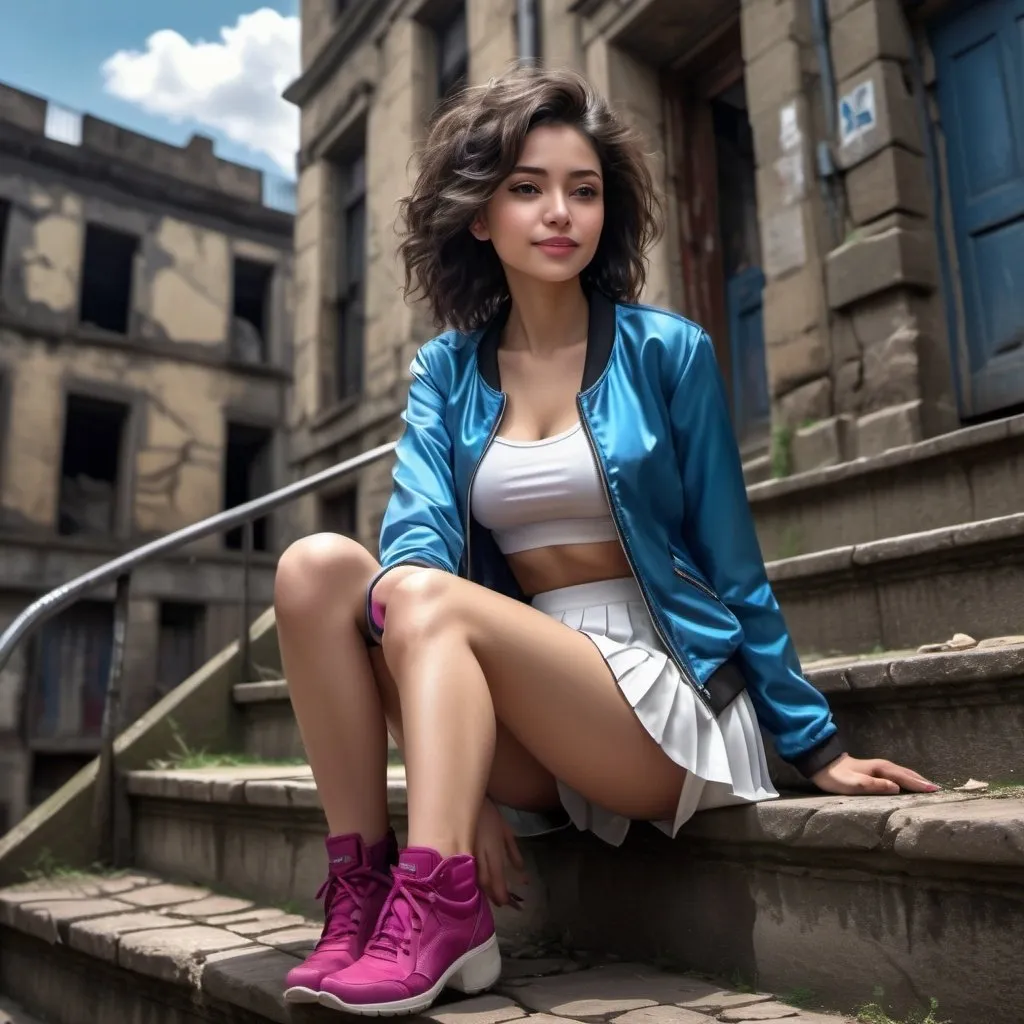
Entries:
{"x":851,"y":775}
{"x":495,"y":844}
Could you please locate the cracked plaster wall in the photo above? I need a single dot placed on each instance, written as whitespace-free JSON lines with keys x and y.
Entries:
{"x":181,"y":299}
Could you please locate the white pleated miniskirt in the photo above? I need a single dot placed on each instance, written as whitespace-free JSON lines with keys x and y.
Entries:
{"x":724,"y":757}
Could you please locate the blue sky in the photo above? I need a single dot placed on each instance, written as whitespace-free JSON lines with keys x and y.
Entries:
{"x":117,"y":60}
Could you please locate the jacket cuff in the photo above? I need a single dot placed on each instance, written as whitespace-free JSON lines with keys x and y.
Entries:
{"x":812,"y":761}
{"x":373,"y":631}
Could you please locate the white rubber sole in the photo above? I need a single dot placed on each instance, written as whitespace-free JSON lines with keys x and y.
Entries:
{"x":475,"y":971}
{"x":301,"y":994}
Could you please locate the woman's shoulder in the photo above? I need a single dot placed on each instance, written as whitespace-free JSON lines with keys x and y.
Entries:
{"x":442,"y":355}
{"x":677,"y":337}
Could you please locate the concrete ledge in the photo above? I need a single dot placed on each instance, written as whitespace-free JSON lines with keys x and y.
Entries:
{"x":969,"y":475}
{"x":902,"y":592}
{"x":259,"y":693}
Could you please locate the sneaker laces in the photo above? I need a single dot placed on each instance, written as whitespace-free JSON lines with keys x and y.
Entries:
{"x":351,"y":886}
{"x":403,"y":913}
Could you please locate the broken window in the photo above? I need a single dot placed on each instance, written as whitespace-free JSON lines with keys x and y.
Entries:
{"x":338,"y":512}
{"x":452,"y":54}
{"x":5,"y":216}
{"x":106,"y":295}
{"x":251,"y":312}
{"x":348,"y":366}
{"x":248,"y":475}
{"x":180,"y":647}
{"x":72,"y":667}
{"x":91,"y":461}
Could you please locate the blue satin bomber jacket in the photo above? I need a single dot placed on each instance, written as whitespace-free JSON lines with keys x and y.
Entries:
{"x":654,"y":411}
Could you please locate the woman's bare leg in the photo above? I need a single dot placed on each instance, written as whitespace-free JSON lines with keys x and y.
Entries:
{"x":464,"y":658}
{"x":341,"y":691}
{"x":318,"y":600}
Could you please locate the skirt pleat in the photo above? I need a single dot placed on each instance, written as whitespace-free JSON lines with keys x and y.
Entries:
{"x":724,"y":757}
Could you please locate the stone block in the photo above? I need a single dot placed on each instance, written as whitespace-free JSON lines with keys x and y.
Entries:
{"x":796,"y":360}
{"x":766,"y":23}
{"x":873,"y":31}
{"x":486,"y":1009}
{"x":174,"y":954}
{"x":793,"y":304}
{"x":784,"y":237}
{"x":249,"y":979}
{"x":974,"y":831}
{"x":825,"y":443}
{"x":866,"y":266}
{"x":100,"y":937}
{"x":805,"y":404}
{"x":895,"y":179}
{"x":775,"y":76}
{"x":849,"y":386}
{"x":895,"y":120}
{"x":762,"y":1011}
{"x":889,"y":428}
{"x":890,"y":371}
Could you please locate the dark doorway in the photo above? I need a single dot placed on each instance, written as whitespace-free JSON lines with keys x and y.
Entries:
{"x":91,"y":466}
{"x":248,"y":475}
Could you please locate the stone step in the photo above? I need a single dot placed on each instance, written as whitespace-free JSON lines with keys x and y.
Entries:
{"x":800,"y":892}
{"x":902,"y":592}
{"x":268,"y":724}
{"x":103,"y":949}
{"x":968,"y":475}
{"x":953,"y":715}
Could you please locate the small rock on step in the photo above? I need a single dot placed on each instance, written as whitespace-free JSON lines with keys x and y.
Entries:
{"x":958,"y":642}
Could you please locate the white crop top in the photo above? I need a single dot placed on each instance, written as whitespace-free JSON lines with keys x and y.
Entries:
{"x":535,"y":494}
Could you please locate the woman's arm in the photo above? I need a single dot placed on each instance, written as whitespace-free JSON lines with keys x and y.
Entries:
{"x":720,"y":530}
{"x":421,"y":526}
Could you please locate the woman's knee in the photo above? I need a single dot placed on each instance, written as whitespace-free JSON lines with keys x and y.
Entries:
{"x":419,"y":609}
{"x":323,"y":567}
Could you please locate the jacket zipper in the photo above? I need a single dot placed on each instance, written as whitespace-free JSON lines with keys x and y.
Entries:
{"x":694,"y":582}
{"x":702,"y":691}
{"x":472,"y":479}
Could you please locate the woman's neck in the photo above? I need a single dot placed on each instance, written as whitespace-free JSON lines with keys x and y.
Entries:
{"x":546,"y":316}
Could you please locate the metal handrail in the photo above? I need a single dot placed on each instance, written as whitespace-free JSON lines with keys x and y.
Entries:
{"x":118,"y":571}
{"x":49,"y":605}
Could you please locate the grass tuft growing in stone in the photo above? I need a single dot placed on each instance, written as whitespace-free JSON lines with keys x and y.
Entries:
{"x":184,"y":756}
{"x":872,"y":1013}
{"x":46,"y":865}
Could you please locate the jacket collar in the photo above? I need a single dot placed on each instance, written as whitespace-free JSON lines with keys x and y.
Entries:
{"x":600,"y":339}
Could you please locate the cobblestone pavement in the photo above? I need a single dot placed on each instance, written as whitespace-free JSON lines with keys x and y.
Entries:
{"x":229,"y":951}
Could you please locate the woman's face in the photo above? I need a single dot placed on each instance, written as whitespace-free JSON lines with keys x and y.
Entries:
{"x":545,"y":219}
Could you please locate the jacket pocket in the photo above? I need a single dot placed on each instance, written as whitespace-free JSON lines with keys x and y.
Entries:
{"x":684,"y":572}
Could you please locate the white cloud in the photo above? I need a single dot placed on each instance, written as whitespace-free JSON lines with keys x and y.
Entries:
{"x":233,"y":85}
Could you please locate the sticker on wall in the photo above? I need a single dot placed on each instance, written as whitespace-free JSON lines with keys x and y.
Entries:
{"x":789,"y":129}
{"x":857,"y":114}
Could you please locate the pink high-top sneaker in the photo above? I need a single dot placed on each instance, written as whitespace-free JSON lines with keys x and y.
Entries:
{"x":435,"y":929}
{"x":357,"y":885}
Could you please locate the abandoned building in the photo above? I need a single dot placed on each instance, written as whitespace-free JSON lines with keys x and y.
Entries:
{"x":843,"y":192}
{"x":145,"y":355}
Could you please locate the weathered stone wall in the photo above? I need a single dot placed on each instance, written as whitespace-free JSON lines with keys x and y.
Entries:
{"x":172,"y":366}
{"x":893,"y":370}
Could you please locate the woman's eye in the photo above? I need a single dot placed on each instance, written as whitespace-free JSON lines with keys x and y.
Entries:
{"x":587,"y":191}
{"x":525,"y":188}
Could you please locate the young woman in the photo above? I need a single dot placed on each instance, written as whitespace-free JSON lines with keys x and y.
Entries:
{"x":571,"y":610}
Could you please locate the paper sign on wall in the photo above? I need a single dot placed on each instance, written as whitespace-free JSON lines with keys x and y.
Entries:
{"x":857,"y":113}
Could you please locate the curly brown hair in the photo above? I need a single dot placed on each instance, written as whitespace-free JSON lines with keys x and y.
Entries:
{"x":472,"y":146}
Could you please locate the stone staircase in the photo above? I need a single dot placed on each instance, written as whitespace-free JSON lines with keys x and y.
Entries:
{"x":827,"y":901}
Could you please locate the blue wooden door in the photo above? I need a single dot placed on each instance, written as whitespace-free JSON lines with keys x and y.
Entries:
{"x":979,"y":54}
{"x":751,"y":405}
